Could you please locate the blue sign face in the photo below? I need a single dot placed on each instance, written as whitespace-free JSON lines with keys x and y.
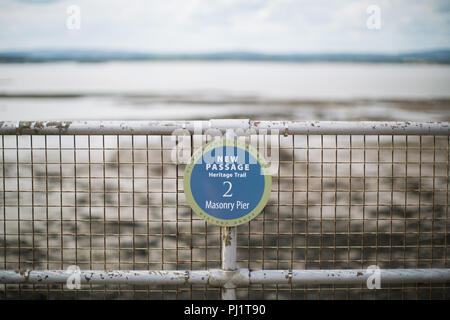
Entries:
{"x":225,"y":183}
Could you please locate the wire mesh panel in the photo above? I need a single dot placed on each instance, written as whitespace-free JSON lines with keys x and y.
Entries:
{"x":350,"y":202}
{"x":116,"y":202}
{"x":100,"y":203}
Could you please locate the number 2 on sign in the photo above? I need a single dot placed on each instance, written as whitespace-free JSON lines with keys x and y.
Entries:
{"x":227,"y":194}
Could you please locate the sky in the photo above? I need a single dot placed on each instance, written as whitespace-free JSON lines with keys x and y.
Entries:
{"x":271,"y":26}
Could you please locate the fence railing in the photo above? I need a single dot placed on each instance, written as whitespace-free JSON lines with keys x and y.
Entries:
{"x":102,"y":203}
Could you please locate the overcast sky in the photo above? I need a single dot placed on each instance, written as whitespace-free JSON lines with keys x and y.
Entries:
{"x":226,"y":25}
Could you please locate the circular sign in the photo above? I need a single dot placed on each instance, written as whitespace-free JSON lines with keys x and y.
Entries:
{"x":227,"y":182}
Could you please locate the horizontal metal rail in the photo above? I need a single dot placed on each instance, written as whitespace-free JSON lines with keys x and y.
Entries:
{"x":243,"y":126}
{"x":217,"y":277}
{"x":311,"y":277}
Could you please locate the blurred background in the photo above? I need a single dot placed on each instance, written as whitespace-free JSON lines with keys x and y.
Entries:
{"x":202,"y":59}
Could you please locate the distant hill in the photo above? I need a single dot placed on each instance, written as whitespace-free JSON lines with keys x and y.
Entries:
{"x":39,"y":56}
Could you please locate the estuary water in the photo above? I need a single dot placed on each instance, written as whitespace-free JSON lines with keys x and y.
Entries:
{"x":204,"y":90}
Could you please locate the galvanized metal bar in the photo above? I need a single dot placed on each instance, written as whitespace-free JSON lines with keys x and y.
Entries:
{"x":353,"y":276}
{"x":106,"y":277}
{"x":354,"y":127}
{"x":228,"y":279}
{"x":229,"y":260}
{"x":240,"y":126}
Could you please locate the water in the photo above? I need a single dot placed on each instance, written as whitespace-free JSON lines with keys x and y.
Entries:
{"x":204,"y":90}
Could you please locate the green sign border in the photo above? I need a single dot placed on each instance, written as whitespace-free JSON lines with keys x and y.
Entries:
{"x":187,"y":182}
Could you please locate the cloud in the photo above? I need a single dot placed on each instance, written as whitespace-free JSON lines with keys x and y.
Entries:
{"x":37,"y":1}
{"x":214,"y":25}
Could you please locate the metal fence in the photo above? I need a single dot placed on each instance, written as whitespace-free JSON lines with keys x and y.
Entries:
{"x":107,"y":197}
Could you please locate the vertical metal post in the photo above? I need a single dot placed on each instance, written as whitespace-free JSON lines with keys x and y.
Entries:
{"x":229,"y":260}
